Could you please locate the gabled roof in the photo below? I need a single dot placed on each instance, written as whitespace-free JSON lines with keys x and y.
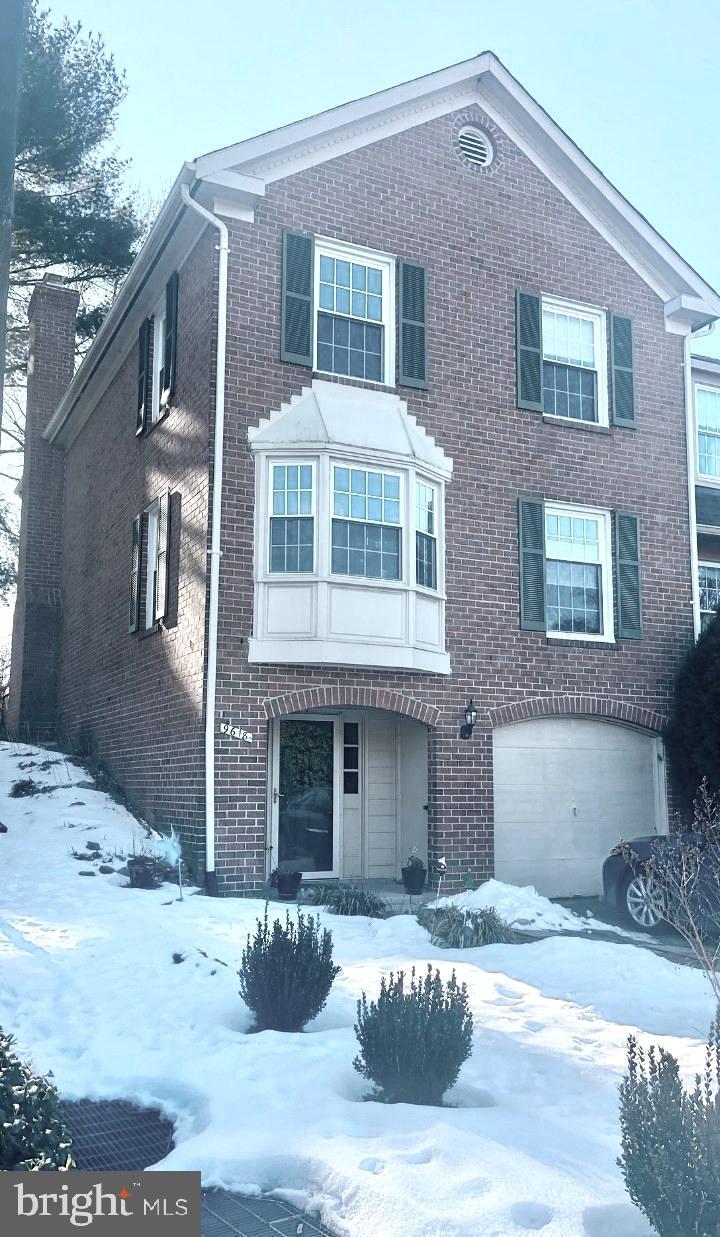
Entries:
{"x":329,"y":415}
{"x":484,"y":80}
{"x":233,"y":180}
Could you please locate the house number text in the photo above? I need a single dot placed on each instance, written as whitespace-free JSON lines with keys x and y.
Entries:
{"x":236,"y":732}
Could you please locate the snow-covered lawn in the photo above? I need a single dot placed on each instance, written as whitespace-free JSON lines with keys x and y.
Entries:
{"x":90,"y":989}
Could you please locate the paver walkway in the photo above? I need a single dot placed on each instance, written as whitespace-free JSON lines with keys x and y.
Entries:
{"x":114,"y":1135}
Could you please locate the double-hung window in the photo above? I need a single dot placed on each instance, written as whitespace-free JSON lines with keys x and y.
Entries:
{"x":709,"y":592}
{"x":354,"y":306}
{"x":292,"y":522}
{"x":425,"y":535}
{"x":574,"y":364}
{"x":707,"y":405}
{"x":149,"y":565}
{"x":366,"y":524}
{"x":158,"y":362}
{"x":578,"y":583}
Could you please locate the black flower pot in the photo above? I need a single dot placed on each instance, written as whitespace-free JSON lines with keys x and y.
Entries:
{"x":414,"y":879}
{"x":143,"y":872}
{"x":288,"y":885}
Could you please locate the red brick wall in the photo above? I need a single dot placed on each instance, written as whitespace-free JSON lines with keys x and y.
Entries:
{"x":139,"y":698}
{"x":480,"y":235}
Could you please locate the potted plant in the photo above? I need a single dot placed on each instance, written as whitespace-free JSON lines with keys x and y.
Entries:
{"x":414,"y":873}
{"x":143,"y":872}
{"x":287,"y":884}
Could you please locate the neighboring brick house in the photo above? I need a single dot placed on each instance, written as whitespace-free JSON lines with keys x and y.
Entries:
{"x":705,"y":473}
{"x":395,"y":432}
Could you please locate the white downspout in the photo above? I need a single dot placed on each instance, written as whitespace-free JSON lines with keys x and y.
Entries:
{"x":210,"y":690}
{"x":690,"y":437}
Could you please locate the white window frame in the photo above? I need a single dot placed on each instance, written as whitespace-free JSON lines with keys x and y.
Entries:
{"x":158,"y":360}
{"x":385,"y":263}
{"x":605,"y":546}
{"x":152,"y":521}
{"x":436,"y":535}
{"x":285,"y":462}
{"x":322,"y":512}
{"x":706,"y":562}
{"x":709,"y":479}
{"x":402,"y":526}
{"x":598,"y":318}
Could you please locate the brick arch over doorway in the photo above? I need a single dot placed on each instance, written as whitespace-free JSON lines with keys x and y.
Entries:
{"x":352,"y":697}
{"x":581,"y":706}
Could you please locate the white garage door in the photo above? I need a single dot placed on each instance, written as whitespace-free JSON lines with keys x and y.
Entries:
{"x":566,"y":791}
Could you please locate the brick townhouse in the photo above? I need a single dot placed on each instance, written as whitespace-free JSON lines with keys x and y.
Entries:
{"x":366,"y":522}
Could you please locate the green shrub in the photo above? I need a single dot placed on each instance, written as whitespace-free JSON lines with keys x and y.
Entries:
{"x":344,"y":899}
{"x":671,"y":1141}
{"x":414,"y":1039}
{"x":32,"y":1135}
{"x":692,"y":737}
{"x":454,"y":928}
{"x":287,"y":972}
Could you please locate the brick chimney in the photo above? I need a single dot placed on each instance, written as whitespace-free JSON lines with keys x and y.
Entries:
{"x":32,"y":707}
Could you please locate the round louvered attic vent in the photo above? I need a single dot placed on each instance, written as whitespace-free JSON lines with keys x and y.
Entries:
{"x":475,"y":147}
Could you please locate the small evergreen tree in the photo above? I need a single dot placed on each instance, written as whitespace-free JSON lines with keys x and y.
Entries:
{"x":287,"y":972}
{"x":671,"y":1141}
{"x":32,"y":1135}
{"x":414,"y":1039}
{"x":692,"y":736}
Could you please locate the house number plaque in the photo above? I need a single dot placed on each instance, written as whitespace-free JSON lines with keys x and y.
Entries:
{"x":236,"y":732}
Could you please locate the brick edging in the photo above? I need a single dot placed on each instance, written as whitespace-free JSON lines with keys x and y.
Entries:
{"x":587,"y":706}
{"x":337,"y":696}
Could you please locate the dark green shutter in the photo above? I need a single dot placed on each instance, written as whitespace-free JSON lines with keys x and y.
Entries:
{"x":143,"y":383}
{"x":296,"y":327}
{"x":528,"y":350}
{"x":627,"y":575}
{"x":135,"y":573}
{"x":623,"y":381}
{"x":413,"y":320}
{"x":163,"y":555}
{"x":167,"y":384}
{"x":531,"y":537}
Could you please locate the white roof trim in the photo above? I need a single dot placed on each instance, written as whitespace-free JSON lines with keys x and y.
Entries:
{"x":484,"y":80}
{"x":332,"y":416}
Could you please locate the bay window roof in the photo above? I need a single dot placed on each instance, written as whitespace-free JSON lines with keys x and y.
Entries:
{"x":331,"y":415}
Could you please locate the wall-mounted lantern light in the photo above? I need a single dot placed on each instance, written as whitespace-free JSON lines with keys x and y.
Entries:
{"x":470,"y":720}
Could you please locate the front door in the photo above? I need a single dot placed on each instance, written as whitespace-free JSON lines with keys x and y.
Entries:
{"x":305,"y":807}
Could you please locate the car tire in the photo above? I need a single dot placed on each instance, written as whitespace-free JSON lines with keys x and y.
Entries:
{"x":638,"y":905}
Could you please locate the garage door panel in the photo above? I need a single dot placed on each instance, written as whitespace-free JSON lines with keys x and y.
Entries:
{"x":566,"y":791}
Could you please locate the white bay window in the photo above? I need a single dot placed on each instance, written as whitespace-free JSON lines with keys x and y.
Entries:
{"x":349,"y":565}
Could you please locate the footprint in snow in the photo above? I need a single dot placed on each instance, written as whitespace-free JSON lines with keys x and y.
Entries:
{"x":422,"y":1156}
{"x":531,"y":1216}
{"x":511,"y":993}
{"x":535,"y":1026}
{"x":371,"y":1165}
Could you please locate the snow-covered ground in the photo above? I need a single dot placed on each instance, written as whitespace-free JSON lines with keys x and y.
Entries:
{"x":91,"y":991}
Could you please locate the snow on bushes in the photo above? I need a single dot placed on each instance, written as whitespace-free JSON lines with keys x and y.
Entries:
{"x":287,"y":972}
{"x":414,"y":1039}
{"x":32,"y":1136}
{"x":671,"y":1140}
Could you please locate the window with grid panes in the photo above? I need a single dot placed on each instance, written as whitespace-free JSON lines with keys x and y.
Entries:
{"x":351,"y":317}
{"x":292,"y":523}
{"x":574,"y":561}
{"x":570,"y":363}
{"x":709,"y":574}
{"x":425,"y":535}
{"x":351,"y":758}
{"x":707,"y":404}
{"x":366,"y":536}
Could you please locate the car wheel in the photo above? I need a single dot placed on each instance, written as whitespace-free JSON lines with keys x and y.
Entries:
{"x":642,"y":902}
